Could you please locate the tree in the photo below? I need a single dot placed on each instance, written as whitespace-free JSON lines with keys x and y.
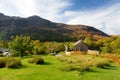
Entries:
{"x":49,"y":46}
{"x":99,"y":44}
{"x":89,"y":42}
{"x":107,"y":48}
{"x":53,"y":47}
{"x":38,"y":47}
{"x":110,"y":45}
{"x":116,"y":45}
{"x":19,"y":44}
{"x":3,"y":44}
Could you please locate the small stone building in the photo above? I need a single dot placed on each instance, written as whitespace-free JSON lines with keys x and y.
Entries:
{"x":80,"y":46}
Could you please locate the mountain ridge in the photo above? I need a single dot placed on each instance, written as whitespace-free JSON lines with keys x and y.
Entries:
{"x":44,"y":30}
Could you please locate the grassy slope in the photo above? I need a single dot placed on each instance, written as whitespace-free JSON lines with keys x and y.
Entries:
{"x":50,"y":71}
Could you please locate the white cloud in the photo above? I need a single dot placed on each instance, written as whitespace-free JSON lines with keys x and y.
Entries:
{"x":49,"y":9}
{"x":24,"y":7}
{"x":17,"y":7}
{"x":52,"y":9}
{"x":105,"y":19}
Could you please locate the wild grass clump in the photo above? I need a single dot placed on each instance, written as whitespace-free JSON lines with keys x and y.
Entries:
{"x":82,"y":62}
{"x":68,"y":67}
{"x":78,"y":63}
{"x":99,"y":62}
{"x":13,"y":63}
{"x":31,"y":61}
{"x":77,"y":67}
{"x":10,"y":62}
{"x":84,"y":66}
{"x":36,"y":60}
{"x":62,"y":58}
{"x":112,"y":58}
{"x":2,"y":63}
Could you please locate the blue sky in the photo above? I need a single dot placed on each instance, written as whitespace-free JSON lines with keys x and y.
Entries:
{"x":88,"y":4}
{"x":102,"y":14}
{"x":91,"y":4}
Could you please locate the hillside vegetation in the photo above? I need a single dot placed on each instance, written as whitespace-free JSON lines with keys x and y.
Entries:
{"x":45,"y":30}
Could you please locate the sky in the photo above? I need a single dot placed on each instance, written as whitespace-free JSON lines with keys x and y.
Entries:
{"x":101,"y":14}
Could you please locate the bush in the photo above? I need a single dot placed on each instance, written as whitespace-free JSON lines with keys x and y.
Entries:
{"x":2,"y":63}
{"x":13,"y":63}
{"x":37,"y":60}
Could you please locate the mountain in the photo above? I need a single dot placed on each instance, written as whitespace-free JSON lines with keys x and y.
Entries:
{"x":2,"y":16}
{"x":45,"y":30}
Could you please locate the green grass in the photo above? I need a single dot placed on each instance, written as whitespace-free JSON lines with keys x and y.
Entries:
{"x":102,"y":74}
{"x":50,"y":71}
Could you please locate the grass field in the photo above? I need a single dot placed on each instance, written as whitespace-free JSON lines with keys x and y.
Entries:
{"x":50,"y":71}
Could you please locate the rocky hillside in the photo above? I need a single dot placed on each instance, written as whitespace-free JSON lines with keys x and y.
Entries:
{"x":45,"y":30}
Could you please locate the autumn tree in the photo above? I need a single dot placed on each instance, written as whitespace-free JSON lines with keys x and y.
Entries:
{"x":116,"y":45}
{"x":89,"y":42}
{"x":109,"y":45}
{"x":38,"y":47}
{"x":53,"y":47}
{"x":19,"y":45}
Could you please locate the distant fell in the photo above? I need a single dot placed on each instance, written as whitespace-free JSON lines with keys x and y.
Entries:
{"x":45,"y":30}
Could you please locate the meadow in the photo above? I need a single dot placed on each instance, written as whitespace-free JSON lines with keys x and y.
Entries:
{"x":50,"y":71}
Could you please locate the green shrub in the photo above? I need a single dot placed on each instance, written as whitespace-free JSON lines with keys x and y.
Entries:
{"x":2,"y":63}
{"x":36,"y":60}
{"x":13,"y":63}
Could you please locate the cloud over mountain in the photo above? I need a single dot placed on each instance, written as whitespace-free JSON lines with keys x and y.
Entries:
{"x":105,"y":18}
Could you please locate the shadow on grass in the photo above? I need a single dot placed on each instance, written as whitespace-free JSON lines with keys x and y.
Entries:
{"x":110,"y":67}
{"x":25,"y":66}
{"x":92,"y":70}
{"x":46,"y":63}
{"x":99,"y":70}
{"x":15,"y":68}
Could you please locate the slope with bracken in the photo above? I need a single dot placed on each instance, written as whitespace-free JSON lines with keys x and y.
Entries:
{"x":45,"y":30}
